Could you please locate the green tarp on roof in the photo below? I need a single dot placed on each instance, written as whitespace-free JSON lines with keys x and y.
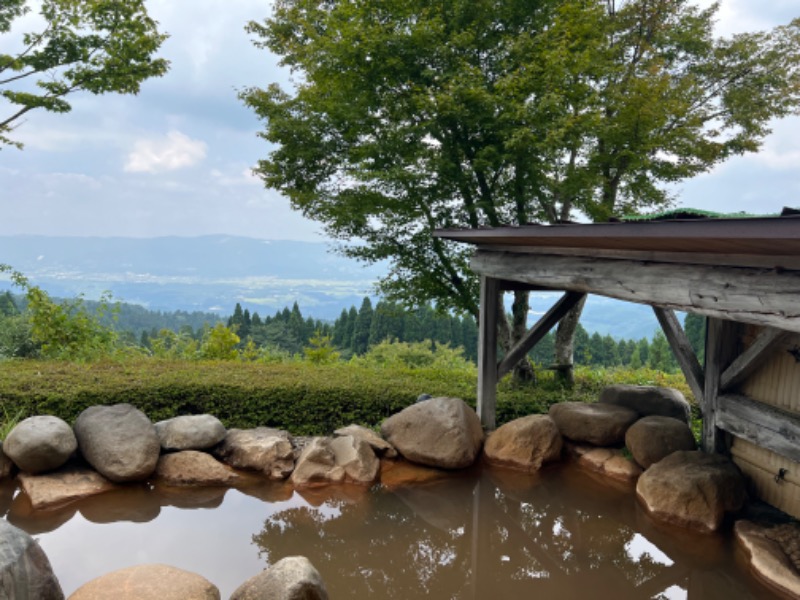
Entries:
{"x":694,"y":213}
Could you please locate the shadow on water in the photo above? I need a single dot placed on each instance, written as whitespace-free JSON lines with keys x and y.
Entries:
{"x":481,"y":534}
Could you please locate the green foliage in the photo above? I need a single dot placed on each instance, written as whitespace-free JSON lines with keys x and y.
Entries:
{"x":64,"y":331}
{"x":695,"y":327}
{"x":407,"y":116}
{"x":97,"y":46}
{"x":303,"y":398}
{"x":321,"y":350}
{"x":416,"y":355}
{"x":220,"y":343}
{"x":168,"y":344}
{"x":16,"y":339}
{"x":9,"y":419}
{"x":660,"y":355}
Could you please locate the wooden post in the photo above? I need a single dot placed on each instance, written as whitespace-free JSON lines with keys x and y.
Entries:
{"x":720,"y":347}
{"x":487,"y":351}
{"x":682,"y":350}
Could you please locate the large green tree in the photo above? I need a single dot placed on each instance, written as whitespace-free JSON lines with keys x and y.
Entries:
{"x":406,"y":116}
{"x":97,"y":46}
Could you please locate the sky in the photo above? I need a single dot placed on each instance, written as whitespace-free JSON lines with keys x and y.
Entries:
{"x":176,"y":159}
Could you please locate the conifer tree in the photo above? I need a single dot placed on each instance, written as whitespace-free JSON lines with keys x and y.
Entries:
{"x":362,"y":326}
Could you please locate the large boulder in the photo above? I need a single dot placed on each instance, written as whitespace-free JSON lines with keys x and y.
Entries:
{"x":379,"y":445}
{"x":440,"y":432}
{"x":192,"y":467}
{"x":190,"y":432}
{"x":774,"y":554}
{"x":652,"y":438}
{"x":692,"y":489}
{"x":261,"y":449}
{"x":40,"y":444}
{"x":525,"y":443}
{"x":148,"y":582}
{"x":335,"y":460}
{"x":119,"y":441}
{"x":25,"y":572}
{"x":596,"y":424}
{"x":291,"y":578}
{"x":648,"y":400}
{"x":64,"y":486}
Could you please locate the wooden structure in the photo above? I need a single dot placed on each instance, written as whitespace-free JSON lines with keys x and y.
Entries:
{"x":742,"y":274}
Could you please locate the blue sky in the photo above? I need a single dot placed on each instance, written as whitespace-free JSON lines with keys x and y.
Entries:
{"x":176,"y":159}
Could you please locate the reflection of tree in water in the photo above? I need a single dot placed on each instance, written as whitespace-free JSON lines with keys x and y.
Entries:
{"x":532,"y":535}
{"x":377,"y":547}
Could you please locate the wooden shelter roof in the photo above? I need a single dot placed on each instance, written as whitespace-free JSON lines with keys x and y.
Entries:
{"x":757,"y":241}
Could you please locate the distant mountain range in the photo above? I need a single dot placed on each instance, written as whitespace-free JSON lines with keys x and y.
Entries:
{"x":213,"y":273}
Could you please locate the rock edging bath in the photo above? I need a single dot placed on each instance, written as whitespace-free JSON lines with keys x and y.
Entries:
{"x":438,"y":433}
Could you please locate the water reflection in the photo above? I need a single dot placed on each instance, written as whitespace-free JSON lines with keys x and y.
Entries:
{"x":501,"y":534}
{"x":475,"y":535}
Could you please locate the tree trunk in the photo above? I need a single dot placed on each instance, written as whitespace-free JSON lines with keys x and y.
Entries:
{"x":565,"y":345}
{"x":510,"y":331}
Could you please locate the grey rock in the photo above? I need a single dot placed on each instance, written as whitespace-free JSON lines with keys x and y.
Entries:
{"x":440,"y":432}
{"x":525,"y":443}
{"x":190,"y":432}
{"x":652,"y":438}
{"x":379,"y":445}
{"x":336,"y":460}
{"x":40,"y":444}
{"x":291,"y":578}
{"x":261,"y":449}
{"x":25,"y":572}
{"x":692,"y":489}
{"x":649,"y":400}
{"x":119,"y":441}
{"x":597,"y":424}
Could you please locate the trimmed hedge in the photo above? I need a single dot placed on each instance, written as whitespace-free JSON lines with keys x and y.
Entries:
{"x":302,"y":398}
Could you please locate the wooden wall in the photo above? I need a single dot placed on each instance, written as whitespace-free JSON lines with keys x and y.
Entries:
{"x":776,"y":383}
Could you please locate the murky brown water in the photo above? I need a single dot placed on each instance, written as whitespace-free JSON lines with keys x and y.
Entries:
{"x":481,"y":535}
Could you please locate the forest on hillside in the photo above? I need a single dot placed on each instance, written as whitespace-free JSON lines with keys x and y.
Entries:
{"x":288,"y":332}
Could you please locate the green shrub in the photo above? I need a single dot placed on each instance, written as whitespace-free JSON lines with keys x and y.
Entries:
{"x":304,"y":398}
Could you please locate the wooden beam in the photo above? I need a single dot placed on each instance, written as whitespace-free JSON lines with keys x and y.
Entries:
{"x":487,"y":351}
{"x":538,"y":331}
{"x":752,"y":358}
{"x":683,"y":351}
{"x":763,"y":425}
{"x":720,"y":346}
{"x":749,"y":295}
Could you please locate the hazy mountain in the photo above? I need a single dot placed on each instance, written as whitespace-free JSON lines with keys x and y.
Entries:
{"x":213,"y":273}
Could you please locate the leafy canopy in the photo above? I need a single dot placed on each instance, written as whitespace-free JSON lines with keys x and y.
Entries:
{"x":98,"y":46}
{"x":406,"y":116}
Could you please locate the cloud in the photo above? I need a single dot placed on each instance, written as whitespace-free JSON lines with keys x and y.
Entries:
{"x":170,"y":153}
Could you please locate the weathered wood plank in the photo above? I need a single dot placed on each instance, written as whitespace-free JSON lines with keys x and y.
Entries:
{"x":487,"y":351}
{"x":752,"y":358}
{"x":684,"y":353}
{"x":538,"y":331}
{"x":749,"y":295}
{"x":720,"y":346}
{"x":766,"y":426}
